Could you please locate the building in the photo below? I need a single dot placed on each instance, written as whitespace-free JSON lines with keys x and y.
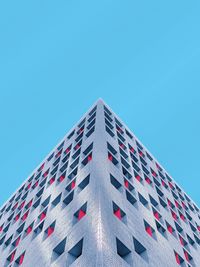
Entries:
{"x":100,"y":199}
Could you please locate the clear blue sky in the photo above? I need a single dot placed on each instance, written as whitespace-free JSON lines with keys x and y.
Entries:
{"x":58,"y":57}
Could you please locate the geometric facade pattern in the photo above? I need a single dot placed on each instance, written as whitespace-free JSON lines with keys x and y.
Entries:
{"x":100,"y":199}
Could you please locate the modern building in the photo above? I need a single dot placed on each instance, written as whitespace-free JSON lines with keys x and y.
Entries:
{"x":100,"y":199}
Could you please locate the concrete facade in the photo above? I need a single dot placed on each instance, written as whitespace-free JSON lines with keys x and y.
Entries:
{"x":100,"y":199}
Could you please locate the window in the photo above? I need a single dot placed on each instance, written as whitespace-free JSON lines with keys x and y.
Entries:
{"x":170,"y":229}
{"x":11,"y":256}
{"x":143,"y":200}
{"x":128,"y":185}
{"x":84,"y":183}
{"x":178,"y":258}
{"x":16,"y":242}
{"x":55,"y":202}
{"x":42,"y":215}
{"x":115,"y":183}
{"x":69,"y":198}
{"x":20,"y":259}
{"x":112,"y":158}
{"x":131,"y":198}
{"x":28,"y":229}
{"x":139,"y":248}
{"x":123,"y":251}
{"x":59,"y":249}
{"x":161,"y":229}
{"x":150,"y":231}
{"x":119,"y":213}
{"x":52,"y":180}
{"x":71,"y":186}
{"x":87,"y":159}
{"x":75,"y":252}
{"x":188,"y":257}
{"x":50,"y":229}
{"x":62,"y":177}
{"x":38,"y":230}
{"x":45,"y":202}
{"x":80,"y":213}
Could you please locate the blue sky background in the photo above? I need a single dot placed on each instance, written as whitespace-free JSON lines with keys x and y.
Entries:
{"x":58,"y":57}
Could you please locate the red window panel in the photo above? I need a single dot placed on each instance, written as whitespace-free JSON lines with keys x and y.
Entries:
{"x":29,"y":204}
{"x":137,"y":177}
{"x":15,"y":206}
{"x":178,"y":258}
{"x":81,"y":214}
{"x":141,"y":154}
{"x":17,"y":217}
{"x":22,"y":205}
{"x":41,"y":167}
{"x":80,"y":130}
{"x":118,"y":213}
{"x":186,"y":255}
{"x":52,"y":180}
{"x":177,"y":204}
{"x":29,"y":229}
{"x":198,"y":227}
{"x":183,"y":205}
{"x":147,"y":179}
{"x":36,"y":184}
{"x":156,"y":215}
{"x":110,"y":157}
{"x":73,"y":184}
{"x":24,"y":217}
{"x":28,"y":186}
{"x":46,"y":173}
{"x":158,"y":167}
{"x":50,"y":230}
{"x":132,"y":149}
{"x":126,"y":184}
{"x":171,"y":185}
{"x":58,"y":154}
{"x":77,"y":147}
{"x":122,"y":146}
{"x":42,"y":215}
{"x":12,"y":256}
{"x":16,"y":242}
{"x":149,"y":230}
{"x":182,"y":217}
{"x":67,"y":150}
{"x":20,"y":260}
{"x":1,"y":227}
{"x":174,"y":215}
{"x":154,"y":174}
{"x":62,"y":177}
{"x":170,"y":229}
{"x":89,"y":157}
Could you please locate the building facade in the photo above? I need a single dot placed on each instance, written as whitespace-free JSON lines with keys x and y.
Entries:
{"x":100,"y":199}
